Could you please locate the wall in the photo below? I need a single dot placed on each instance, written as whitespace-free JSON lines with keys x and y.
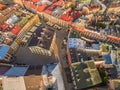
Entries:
{"x":39,"y":50}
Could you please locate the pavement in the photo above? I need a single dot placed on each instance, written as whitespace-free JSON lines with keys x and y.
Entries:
{"x":57,"y":73}
{"x":62,"y":52}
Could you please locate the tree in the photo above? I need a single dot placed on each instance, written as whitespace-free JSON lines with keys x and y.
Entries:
{"x":100,"y":24}
{"x":72,"y":6}
{"x":103,"y":76}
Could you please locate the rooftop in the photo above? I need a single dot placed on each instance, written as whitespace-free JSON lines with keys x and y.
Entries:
{"x":2,"y":6}
{"x":33,"y":82}
{"x":16,"y":29}
{"x":34,"y":70}
{"x":13,"y":19}
{"x":42,"y":37}
{"x":73,"y":55}
{"x":85,"y":74}
{"x":74,"y":34}
{"x":13,"y":24}
{"x":76,"y":43}
{"x":53,"y":7}
{"x":70,"y":15}
{"x":16,"y":71}
{"x":48,"y":68}
{"x":3,"y":69}
{"x":10,"y":9}
{"x":40,"y":5}
{"x":3,"y":51}
{"x":81,"y":50}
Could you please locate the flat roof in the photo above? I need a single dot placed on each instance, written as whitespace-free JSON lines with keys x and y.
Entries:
{"x":3,"y":51}
{"x":16,"y":71}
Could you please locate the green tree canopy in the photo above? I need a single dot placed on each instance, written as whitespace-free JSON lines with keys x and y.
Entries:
{"x":72,"y":6}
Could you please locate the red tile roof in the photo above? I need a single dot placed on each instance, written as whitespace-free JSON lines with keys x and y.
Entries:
{"x":84,"y":30}
{"x":2,"y":6}
{"x":114,"y":38}
{"x":35,"y":0}
{"x":50,"y":9}
{"x":66,"y":18}
{"x":4,"y":25}
{"x":30,"y":4}
{"x":48,"y":12}
{"x":59,"y":3}
{"x":41,"y":8}
{"x":16,"y":29}
{"x":53,"y":6}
